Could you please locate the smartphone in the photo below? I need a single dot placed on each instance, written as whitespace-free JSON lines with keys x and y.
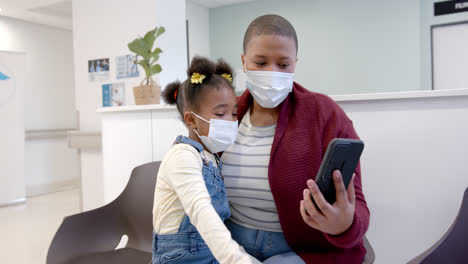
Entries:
{"x":342,"y":154}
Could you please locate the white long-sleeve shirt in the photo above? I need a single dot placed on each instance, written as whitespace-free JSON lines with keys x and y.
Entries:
{"x":180,"y":190}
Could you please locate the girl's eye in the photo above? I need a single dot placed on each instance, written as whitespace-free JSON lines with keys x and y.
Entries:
{"x":234,"y":114}
{"x":284,"y":65}
{"x":260,"y":63}
{"x":220,"y":115}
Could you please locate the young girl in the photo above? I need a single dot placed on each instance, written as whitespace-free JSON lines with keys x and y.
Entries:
{"x":190,"y":203}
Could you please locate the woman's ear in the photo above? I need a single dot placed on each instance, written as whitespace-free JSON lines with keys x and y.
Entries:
{"x":243,"y":62}
{"x":189,"y":119}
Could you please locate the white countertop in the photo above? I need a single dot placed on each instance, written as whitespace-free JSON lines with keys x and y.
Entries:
{"x":400,"y":95}
{"x":337,"y":98}
{"x":129,"y":108}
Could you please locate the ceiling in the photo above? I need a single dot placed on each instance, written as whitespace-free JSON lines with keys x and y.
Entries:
{"x":60,"y":9}
{"x":58,"y":13}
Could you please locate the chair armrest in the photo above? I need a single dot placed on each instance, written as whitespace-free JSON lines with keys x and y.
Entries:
{"x":370,"y":255}
{"x":92,"y":231}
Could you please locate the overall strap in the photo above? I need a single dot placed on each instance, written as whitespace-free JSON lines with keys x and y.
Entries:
{"x":218,"y":160}
{"x":186,"y":140}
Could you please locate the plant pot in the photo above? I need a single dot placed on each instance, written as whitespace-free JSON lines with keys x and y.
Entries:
{"x":147,"y":94}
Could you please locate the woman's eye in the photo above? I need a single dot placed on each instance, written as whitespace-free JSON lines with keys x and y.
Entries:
{"x":284,"y":65}
{"x":260,"y":63}
{"x":234,"y":114}
{"x":220,"y":115}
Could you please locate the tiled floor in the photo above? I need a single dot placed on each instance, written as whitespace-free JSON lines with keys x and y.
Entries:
{"x":26,"y":230}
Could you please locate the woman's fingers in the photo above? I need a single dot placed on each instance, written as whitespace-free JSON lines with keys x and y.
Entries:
{"x":311,"y":209}
{"x":341,"y":194}
{"x":307,"y":218}
{"x":351,"y":192}
{"x":320,"y":201}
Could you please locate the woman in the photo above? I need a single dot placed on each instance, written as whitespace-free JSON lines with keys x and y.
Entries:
{"x":269,"y":170}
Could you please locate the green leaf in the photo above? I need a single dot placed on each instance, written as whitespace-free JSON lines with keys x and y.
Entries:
{"x":146,"y":67}
{"x":155,"y":69}
{"x":139,"y":47}
{"x":143,"y":46}
{"x":149,"y":38}
{"x":160,"y":31}
{"x":154,"y":58}
{"x":155,"y":55}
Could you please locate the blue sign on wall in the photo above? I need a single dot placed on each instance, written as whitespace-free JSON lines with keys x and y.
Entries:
{"x":107,"y":95}
{"x":3,"y":77}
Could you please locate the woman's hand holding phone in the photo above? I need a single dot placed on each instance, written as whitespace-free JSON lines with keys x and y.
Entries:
{"x":333,"y":219}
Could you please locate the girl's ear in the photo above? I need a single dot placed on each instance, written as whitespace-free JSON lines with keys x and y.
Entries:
{"x":189,"y":119}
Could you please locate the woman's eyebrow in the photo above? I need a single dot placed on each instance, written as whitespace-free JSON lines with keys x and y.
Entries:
{"x":281,"y":58}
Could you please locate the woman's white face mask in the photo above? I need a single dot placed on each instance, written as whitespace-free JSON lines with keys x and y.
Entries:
{"x":269,"y":88}
{"x":221,"y":135}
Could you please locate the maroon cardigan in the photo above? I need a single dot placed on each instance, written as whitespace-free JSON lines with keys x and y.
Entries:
{"x":307,"y":122}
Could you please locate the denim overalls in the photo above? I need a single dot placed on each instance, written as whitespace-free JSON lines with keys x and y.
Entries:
{"x":187,"y":245}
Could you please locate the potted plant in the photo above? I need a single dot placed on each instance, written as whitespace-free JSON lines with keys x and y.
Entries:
{"x":149,"y":92}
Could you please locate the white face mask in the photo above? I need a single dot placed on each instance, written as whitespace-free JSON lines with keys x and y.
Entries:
{"x":221,"y":135}
{"x":269,"y":88}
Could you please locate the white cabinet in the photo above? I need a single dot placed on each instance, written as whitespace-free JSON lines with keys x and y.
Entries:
{"x":166,"y":126}
{"x":134,"y":135}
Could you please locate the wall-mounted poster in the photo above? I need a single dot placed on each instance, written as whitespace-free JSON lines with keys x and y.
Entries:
{"x":98,"y":70}
{"x":113,"y":94}
{"x":126,"y":67}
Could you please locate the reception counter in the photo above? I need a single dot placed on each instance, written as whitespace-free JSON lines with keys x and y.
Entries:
{"x":134,"y":135}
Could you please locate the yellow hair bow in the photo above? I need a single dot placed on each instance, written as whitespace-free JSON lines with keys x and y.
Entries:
{"x":227,"y":76}
{"x":197,"y":77}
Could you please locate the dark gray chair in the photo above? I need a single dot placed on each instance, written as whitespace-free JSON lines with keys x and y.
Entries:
{"x":453,"y":246}
{"x":370,"y":255}
{"x":91,"y":237}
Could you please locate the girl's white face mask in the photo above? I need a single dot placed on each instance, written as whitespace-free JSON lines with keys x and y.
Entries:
{"x":269,"y":88}
{"x":221,"y":135}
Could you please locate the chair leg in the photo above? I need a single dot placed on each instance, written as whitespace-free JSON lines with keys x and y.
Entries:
{"x":370,"y":255}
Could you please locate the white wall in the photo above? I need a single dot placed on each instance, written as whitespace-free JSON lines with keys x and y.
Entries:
{"x":412,"y":170}
{"x":199,"y":29}
{"x":50,"y":165}
{"x":102,"y":29}
{"x":49,"y":91}
{"x":48,"y":101}
{"x":345,"y":47}
{"x":12,"y":184}
{"x":171,"y":14}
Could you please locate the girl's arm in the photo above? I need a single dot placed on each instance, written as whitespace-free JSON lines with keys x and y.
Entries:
{"x":185,"y":177}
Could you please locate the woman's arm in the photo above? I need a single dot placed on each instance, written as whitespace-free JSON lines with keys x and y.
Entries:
{"x":345,"y":222}
{"x":360,"y":222}
{"x":185,"y":177}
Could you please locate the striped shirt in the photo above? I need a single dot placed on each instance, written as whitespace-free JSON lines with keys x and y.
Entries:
{"x":245,"y":170}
